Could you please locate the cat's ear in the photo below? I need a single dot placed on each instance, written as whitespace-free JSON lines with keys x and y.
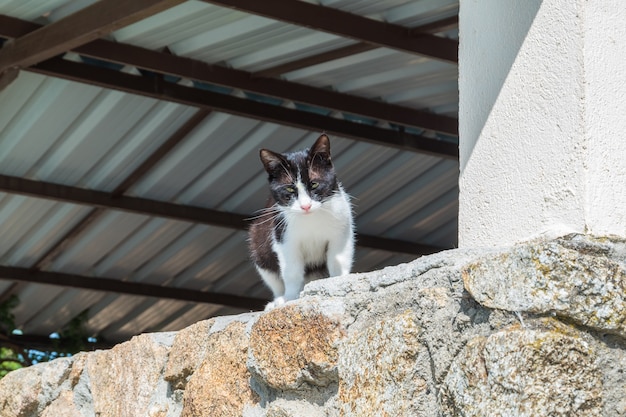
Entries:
{"x":321,"y":149}
{"x":272,"y":161}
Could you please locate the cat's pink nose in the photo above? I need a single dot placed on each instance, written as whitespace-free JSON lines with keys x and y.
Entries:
{"x":306,"y":207}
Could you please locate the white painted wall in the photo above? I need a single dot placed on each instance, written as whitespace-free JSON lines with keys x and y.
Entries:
{"x":542,"y":142}
{"x":605,"y":115}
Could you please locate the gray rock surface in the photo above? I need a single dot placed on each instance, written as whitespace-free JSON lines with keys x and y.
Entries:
{"x":576,"y":277}
{"x":532,"y":330}
{"x":547,"y":368}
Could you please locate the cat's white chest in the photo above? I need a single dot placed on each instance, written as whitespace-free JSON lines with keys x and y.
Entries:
{"x":308,"y":236}
{"x":311,"y":235}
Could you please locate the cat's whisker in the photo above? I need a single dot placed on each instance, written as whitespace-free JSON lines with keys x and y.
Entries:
{"x":263,"y":213}
{"x":269,"y":219}
{"x":273,"y":207}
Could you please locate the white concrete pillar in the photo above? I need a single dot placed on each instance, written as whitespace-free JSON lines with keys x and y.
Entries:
{"x":542,"y":119}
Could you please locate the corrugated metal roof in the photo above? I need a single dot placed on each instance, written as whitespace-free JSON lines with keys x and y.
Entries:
{"x":69,"y":133}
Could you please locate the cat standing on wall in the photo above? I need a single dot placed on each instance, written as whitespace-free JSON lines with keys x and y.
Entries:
{"x":306,"y":230}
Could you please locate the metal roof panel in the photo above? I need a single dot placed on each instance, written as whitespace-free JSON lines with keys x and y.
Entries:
{"x":85,"y":136}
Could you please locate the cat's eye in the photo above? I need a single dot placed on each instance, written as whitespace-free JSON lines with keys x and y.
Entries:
{"x":314,"y":185}
{"x":291,"y":190}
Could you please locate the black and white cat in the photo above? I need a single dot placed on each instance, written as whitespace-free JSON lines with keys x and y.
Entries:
{"x":306,"y":230}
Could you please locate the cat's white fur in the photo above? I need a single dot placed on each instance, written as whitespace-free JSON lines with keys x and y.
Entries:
{"x":314,"y":233}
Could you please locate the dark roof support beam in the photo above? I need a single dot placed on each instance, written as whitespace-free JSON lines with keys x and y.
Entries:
{"x":79,"y":28}
{"x":101,"y":199}
{"x":309,"y":61}
{"x":132,"y":179}
{"x":130,"y":288}
{"x":349,"y":25}
{"x":164,"y":63}
{"x":155,"y":87}
{"x":161,"y":152}
{"x":193,"y":214}
{"x":7,"y":77}
{"x":272,"y":87}
{"x":357,"y":48}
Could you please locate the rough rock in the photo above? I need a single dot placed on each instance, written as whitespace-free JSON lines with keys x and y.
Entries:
{"x":220,"y":385}
{"x":531,"y":330}
{"x":549,"y":370}
{"x":114,"y":377}
{"x":575,"y":277}
{"x":63,"y":405}
{"x":20,"y":392}
{"x":188,"y":351}
{"x":286,"y":408}
{"x":28,"y":391}
{"x":294,"y":346}
{"x":385,"y":370}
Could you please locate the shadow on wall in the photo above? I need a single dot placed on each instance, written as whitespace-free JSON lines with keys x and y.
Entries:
{"x":503,"y":29}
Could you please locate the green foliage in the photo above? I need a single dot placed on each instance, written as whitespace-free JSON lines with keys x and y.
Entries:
{"x":9,"y":361}
{"x":74,"y":334}
{"x":7,"y":318}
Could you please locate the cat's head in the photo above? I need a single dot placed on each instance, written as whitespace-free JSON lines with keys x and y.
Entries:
{"x":301,"y":181}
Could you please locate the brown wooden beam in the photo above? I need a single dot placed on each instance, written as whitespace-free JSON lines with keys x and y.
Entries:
{"x":349,"y":25}
{"x":66,"y":240}
{"x":309,"y":61}
{"x":164,"y":63}
{"x":395,"y":245}
{"x":158,"y":89}
{"x":7,"y":77}
{"x":48,"y":257}
{"x":161,"y":152}
{"x":193,"y":214}
{"x":271,"y":87}
{"x":12,"y":27}
{"x":130,"y":288}
{"x":76,"y":195}
{"x":85,"y":25}
{"x":357,"y":48}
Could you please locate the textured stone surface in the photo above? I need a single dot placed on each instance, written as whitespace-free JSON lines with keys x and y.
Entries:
{"x":576,"y":277}
{"x":188,"y":351}
{"x":26,"y":392}
{"x":20,"y":391}
{"x":283,"y":408}
{"x":127,"y":380}
{"x":539,"y":331}
{"x":293,"y":346}
{"x":220,"y":387}
{"x":63,"y":405}
{"x":526,"y":372}
{"x":384,"y":369}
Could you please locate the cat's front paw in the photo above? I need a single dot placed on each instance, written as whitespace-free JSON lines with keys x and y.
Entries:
{"x":279,"y":301}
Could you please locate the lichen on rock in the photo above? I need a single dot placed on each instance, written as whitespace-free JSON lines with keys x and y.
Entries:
{"x":576,"y":277}
{"x":526,"y":372}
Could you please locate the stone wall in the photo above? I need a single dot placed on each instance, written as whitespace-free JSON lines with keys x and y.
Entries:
{"x":538,"y":329}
